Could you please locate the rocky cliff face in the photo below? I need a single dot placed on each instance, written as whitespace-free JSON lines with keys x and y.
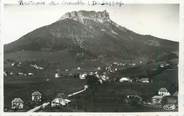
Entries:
{"x":82,"y":16}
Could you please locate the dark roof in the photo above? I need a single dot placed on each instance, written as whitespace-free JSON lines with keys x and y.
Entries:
{"x":36,"y":93}
{"x":18,"y":100}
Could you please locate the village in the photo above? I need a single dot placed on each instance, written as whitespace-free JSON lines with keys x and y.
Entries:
{"x":161,"y":100}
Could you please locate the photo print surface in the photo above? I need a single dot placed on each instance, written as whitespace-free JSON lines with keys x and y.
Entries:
{"x":86,"y":58}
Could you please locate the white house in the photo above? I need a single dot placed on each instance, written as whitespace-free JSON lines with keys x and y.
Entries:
{"x":60,"y":100}
{"x":157,"y":99}
{"x":163,"y":92}
{"x":125,"y":79}
{"x":17,"y":103}
{"x":144,"y":80}
{"x":83,"y":76}
{"x":36,"y":96}
{"x":30,"y":74}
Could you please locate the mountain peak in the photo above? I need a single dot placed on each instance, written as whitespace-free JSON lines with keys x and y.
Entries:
{"x":82,"y":16}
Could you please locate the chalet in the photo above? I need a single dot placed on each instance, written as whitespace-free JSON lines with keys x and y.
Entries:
{"x":163,"y":92}
{"x":17,"y":104}
{"x":83,"y":76}
{"x":157,"y":99}
{"x":169,"y":103}
{"x":144,"y":80}
{"x":36,"y":96}
{"x":125,"y":79}
{"x":60,"y":100}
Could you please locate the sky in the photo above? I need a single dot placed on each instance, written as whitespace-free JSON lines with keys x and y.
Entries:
{"x":160,"y":20}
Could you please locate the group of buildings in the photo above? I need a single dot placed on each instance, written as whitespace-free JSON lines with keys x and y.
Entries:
{"x":18,"y":103}
{"x":59,"y":100}
{"x":165,"y":99}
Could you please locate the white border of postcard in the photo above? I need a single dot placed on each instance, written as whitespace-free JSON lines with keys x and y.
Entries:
{"x":180,"y":73}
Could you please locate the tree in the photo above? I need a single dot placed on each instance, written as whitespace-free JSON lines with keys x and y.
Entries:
{"x":92,"y":82}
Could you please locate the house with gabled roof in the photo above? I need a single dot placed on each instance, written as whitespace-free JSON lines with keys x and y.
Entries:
{"x":157,"y":99}
{"x":60,"y":100}
{"x":36,"y":96}
{"x":17,"y":104}
{"x":163,"y":92}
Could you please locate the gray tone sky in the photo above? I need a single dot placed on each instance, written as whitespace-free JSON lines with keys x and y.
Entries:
{"x":160,"y":20}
